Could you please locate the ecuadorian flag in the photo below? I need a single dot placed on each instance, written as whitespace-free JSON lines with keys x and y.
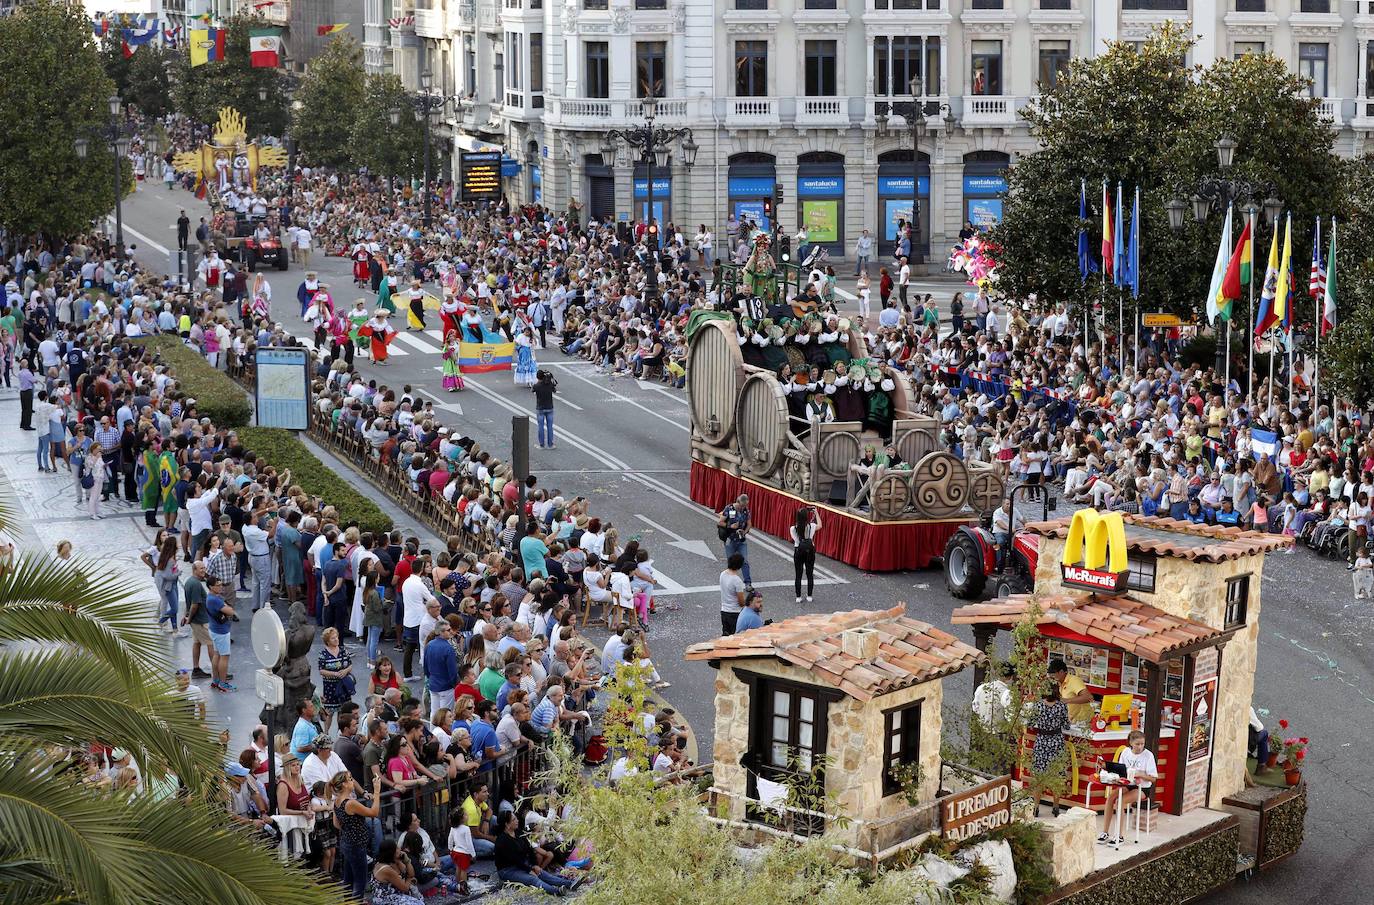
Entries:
{"x":494,"y":353}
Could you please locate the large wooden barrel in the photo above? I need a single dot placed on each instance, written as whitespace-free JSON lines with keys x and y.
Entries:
{"x":916,"y":437}
{"x":986,"y":487}
{"x":939,"y":485}
{"x":714,"y":365}
{"x":761,"y":424}
{"x":837,"y":447}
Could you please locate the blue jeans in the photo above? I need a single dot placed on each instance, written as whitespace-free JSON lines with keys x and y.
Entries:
{"x":353,"y":868}
{"x":167,"y":589}
{"x":484,"y":848}
{"x":262,"y":580}
{"x":44,"y":447}
{"x":741,"y":547}
{"x":374,"y":638}
{"x":546,"y":881}
{"x":545,"y":420}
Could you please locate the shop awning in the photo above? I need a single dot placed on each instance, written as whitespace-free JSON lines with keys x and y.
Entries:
{"x":1180,"y":539}
{"x":1146,"y":631}
{"x":464,"y":142}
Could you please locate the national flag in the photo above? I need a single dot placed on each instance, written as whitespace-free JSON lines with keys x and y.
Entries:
{"x":323,"y":30}
{"x":100,"y":27}
{"x":1219,"y":273}
{"x":477,"y":358}
{"x":200,"y":192}
{"x":168,"y":472}
{"x":1132,"y":277}
{"x":207,"y":45}
{"x":149,"y":478}
{"x":1086,"y":264}
{"x":171,"y":35}
{"x":1316,"y":283}
{"x":1283,"y":299}
{"x":1263,"y":442}
{"x":134,"y":38}
{"x":203,"y":17}
{"x":264,"y":47}
{"x":265,"y":4}
{"x":1107,"y":245}
{"x":1329,"y":292}
{"x":1230,"y":286}
{"x":1267,"y":317}
{"x":1118,"y":245}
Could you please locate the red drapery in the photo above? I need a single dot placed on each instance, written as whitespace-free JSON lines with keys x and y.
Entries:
{"x":871,"y":546}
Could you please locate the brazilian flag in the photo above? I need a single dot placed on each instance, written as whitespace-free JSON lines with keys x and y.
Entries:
{"x":149,"y":488}
{"x":384,"y":296}
{"x":167,"y":472}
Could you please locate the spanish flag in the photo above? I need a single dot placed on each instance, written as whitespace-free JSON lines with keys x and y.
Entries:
{"x":1108,"y":240}
{"x":323,"y":30}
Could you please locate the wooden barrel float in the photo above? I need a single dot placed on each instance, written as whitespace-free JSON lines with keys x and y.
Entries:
{"x":986,"y":487}
{"x":796,"y":474}
{"x":891,"y":494}
{"x":714,"y":364}
{"x":916,"y":437}
{"x":761,"y":424}
{"x":836,"y":450}
{"x":940,"y":485}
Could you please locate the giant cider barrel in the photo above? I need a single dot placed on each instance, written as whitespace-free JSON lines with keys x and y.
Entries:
{"x":714,"y":366}
{"x":761,"y":424}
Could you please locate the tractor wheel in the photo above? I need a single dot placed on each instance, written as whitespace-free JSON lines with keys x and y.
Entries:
{"x":964,"y":574}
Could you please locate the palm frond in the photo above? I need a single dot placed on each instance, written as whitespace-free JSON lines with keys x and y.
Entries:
{"x":51,"y":697}
{"x":44,"y":601}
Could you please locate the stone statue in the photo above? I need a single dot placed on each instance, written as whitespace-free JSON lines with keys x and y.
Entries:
{"x":295,"y":669}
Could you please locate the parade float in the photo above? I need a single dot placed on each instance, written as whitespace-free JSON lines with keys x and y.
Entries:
{"x":835,"y":724}
{"x":229,"y":161}
{"x":784,"y":405}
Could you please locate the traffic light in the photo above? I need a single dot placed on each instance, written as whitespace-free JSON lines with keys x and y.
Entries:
{"x":786,"y":243}
{"x":777,"y":194}
{"x":768,"y":207}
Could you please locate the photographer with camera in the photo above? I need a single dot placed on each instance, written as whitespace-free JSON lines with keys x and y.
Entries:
{"x":544,"y":388}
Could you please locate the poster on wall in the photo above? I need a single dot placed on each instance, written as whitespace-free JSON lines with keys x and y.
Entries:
{"x":1203,"y":712}
{"x":1173,"y":686}
{"x":894,"y":211}
{"x":984,"y":213}
{"x":1085,"y":661}
{"x":752,"y":211}
{"x":822,"y":219}
{"x":1131,"y":680}
{"x":658,"y":212}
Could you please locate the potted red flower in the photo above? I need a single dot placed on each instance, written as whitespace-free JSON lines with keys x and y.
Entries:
{"x":1292,"y":754}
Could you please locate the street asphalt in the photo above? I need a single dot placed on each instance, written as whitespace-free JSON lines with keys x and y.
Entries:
{"x":624,"y":445}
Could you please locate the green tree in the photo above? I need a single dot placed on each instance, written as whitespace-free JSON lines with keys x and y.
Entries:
{"x":331,"y":95}
{"x":54,"y":91}
{"x":384,"y":149}
{"x":1347,"y":351}
{"x":80,"y":664}
{"x":1142,"y":118}
{"x":150,"y":79}
{"x":259,"y":93}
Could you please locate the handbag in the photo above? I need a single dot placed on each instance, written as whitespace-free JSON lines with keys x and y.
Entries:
{"x":349,"y":684}
{"x":87,"y":479}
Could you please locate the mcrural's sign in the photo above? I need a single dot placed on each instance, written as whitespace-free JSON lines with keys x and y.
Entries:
{"x":977,"y":810}
{"x":1095,"y":552}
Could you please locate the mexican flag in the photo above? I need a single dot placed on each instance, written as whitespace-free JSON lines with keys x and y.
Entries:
{"x":264,"y":46}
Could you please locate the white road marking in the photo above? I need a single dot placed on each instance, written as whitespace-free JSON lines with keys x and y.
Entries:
{"x":768,"y":543}
{"x":601,"y":386}
{"x":715,"y":588}
{"x":844,"y":294}
{"x":138,"y":235}
{"x":699,"y":547}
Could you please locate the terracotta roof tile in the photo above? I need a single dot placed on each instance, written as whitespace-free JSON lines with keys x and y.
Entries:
{"x":909,"y":651}
{"x":1230,"y":543}
{"x":1121,"y":621}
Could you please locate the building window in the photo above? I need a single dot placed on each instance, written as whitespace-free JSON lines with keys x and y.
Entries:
{"x":1312,"y":64}
{"x":598,"y":78}
{"x":1250,"y":6}
{"x":1237,"y":600}
{"x":987,"y":4}
{"x":897,"y":60}
{"x":986,"y":67}
{"x":513,"y":62}
{"x":820,"y":68}
{"x":751,"y":68}
{"x":1054,"y":59}
{"x":901,"y":743}
{"x":1056,"y":4}
{"x":1247,"y":48}
{"x":790,"y":734}
{"x":820,"y":4}
{"x":1155,"y":5}
{"x":1315,"y":6}
{"x":593,"y":4}
{"x":751,"y":4}
{"x":1141,"y":572}
{"x":650,"y":68}
{"x":537,"y":62}
{"x":651,"y":4}
{"x":469,"y":66}
{"x":906,"y":4}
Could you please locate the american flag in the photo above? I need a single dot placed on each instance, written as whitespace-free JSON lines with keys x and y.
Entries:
{"x":1316,"y":286}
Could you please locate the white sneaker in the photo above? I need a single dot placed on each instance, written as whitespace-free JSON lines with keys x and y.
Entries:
{"x":808,"y":598}
{"x":798,"y":600}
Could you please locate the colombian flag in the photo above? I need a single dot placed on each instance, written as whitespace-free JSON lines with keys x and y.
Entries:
{"x":207,"y":45}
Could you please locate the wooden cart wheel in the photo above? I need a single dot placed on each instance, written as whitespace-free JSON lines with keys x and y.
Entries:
{"x":891,"y":495}
{"x":940,"y":485}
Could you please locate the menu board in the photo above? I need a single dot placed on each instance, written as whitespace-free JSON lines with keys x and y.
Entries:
{"x":1132,"y":675}
{"x":481,"y":175}
{"x":1203,"y":710}
{"x":1087,"y":662}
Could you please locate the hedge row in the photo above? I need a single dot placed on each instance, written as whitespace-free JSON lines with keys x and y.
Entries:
{"x":281,"y":449}
{"x":217,"y":396}
{"x":1180,"y":876}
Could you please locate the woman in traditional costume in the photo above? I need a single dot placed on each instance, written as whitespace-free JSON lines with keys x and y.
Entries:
{"x":450,"y":310}
{"x":362,"y":265}
{"x":526,"y":367}
{"x":415,"y":317}
{"x":380,"y":333}
{"x":453,"y":373}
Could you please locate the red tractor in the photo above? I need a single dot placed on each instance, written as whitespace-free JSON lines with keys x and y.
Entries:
{"x":266,"y":250}
{"x":973,"y":562}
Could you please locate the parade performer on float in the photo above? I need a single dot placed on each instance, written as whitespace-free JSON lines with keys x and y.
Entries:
{"x":379,"y":332}
{"x":306,"y":291}
{"x":760,"y":273}
{"x":453,"y":374}
{"x":415,"y":316}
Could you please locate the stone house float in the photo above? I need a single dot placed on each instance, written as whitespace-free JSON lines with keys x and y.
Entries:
{"x":863,"y":688}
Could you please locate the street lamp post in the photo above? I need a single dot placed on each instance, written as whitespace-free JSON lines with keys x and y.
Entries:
{"x":1224,"y":190}
{"x":915,"y":112}
{"x":114,"y":137}
{"x":425,"y":102}
{"x":655,"y":145}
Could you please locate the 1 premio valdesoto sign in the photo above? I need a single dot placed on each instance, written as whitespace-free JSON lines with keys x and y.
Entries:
{"x":1095,"y":552}
{"x":977,"y":810}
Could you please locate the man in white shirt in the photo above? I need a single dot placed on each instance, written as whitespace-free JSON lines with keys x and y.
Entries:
{"x":322,"y":764}
{"x":903,"y":281}
{"x":303,"y":241}
{"x":198,"y":506}
{"x":415,"y":598}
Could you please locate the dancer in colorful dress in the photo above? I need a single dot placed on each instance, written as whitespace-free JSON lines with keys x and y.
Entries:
{"x":362,"y":265}
{"x":415,"y":316}
{"x":453,"y":374}
{"x":357,"y":318}
{"x":380,"y":333}
{"x":526,"y":368}
{"x":450,"y":310}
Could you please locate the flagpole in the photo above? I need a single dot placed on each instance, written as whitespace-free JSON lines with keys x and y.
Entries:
{"x":1250,"y":334}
